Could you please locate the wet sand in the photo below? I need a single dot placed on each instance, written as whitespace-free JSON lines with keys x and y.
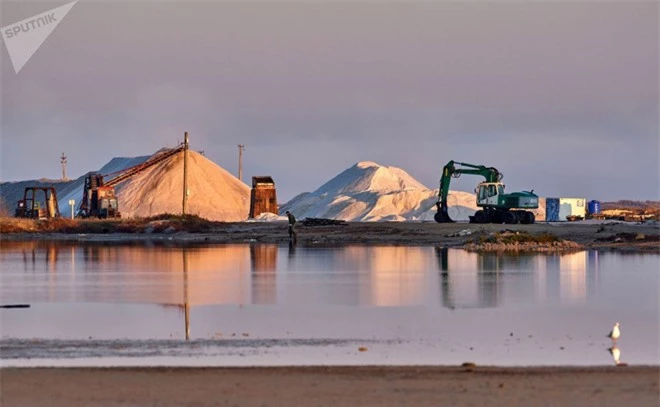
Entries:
{"x":589,"y":235}
{"x":339,"y":386}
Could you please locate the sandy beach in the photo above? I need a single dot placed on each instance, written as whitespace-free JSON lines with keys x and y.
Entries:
{"x":342,"y":386}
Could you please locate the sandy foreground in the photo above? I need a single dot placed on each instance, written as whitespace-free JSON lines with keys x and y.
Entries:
{"x":325,"y":386}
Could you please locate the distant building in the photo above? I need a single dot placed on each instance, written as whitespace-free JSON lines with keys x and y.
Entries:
{"x":263,"y":197}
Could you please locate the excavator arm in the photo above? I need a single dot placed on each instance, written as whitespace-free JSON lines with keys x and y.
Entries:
{"x":452,"y":171}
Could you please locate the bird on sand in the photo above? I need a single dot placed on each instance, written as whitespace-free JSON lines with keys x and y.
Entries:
{"x":615,"y":332}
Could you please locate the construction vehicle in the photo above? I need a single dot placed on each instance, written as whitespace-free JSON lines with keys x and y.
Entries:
{"x":32,"y":207}
{"x":497,"y":207}
{"x":99,"y":199}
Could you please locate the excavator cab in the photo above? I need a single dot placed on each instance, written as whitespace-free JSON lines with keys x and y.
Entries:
{"x":488,"y":193}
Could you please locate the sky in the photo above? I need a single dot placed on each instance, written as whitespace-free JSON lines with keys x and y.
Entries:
{"x":560,"y":96}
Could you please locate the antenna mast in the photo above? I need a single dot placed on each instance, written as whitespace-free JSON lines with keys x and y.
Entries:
{"x":63,"y":162}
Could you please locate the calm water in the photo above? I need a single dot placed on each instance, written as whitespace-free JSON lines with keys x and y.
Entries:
{"x":272,"y":305}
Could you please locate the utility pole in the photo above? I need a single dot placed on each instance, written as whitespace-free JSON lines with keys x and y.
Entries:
{"x":241,"y":148}
{"x":63,"y":161}
{"x":185,"y":171}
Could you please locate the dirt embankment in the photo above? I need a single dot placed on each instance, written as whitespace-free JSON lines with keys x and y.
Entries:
{"x":194,"y":230}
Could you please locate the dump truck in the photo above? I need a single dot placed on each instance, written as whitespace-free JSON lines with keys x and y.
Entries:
{"x":496,"y":206}
{"x":31,"y":206}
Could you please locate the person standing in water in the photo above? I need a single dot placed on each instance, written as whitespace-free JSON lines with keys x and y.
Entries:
{"x":292,"y":226}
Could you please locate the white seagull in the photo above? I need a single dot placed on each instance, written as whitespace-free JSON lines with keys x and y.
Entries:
{"x":614,"y":333}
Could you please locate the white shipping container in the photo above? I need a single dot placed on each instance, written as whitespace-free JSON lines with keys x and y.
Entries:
{"x":572,"y":207}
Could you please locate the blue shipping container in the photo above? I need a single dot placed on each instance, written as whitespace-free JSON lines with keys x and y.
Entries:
{"x":593,"y":207}
{"x":552,"y":209}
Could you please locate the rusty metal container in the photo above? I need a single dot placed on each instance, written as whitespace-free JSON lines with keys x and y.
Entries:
{"x":263,"y":197}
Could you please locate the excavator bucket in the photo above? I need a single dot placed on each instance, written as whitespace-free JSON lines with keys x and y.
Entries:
{"x":442,"y":216}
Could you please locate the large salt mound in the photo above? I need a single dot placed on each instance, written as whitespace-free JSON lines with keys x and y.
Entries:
{"x":372,"y":192}
{"x":215,"y":194}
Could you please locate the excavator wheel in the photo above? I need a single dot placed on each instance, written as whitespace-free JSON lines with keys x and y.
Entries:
{"x":480,"y":217}
{"x":526,"y":217}
{"x":510,"y":217}
{"x":530,"y":217}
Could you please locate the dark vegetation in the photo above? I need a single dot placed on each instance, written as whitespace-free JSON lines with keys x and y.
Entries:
{"x":164,"y":223}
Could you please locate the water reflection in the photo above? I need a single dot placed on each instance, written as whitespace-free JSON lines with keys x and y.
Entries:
{"x":463,"y":285}
{"x":570,"y":277}
{"x":186,"y":297}
{"x":80,"y":291}
{"x":263,"y":259}
{"x":483,"y":280}
{"x":616,"y":354}
{"x":35,"y":255}
{"x":389,"y":276}
{"x":257,"y":274}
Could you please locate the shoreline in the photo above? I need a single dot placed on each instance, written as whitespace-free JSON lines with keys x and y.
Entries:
{"x":621,"y":237}
{"x":338,"y":385}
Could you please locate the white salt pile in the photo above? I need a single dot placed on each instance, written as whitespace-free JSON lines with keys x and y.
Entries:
{"x":371,"y":192}
{"x":268,"y":217}
{"x":214,"y":193}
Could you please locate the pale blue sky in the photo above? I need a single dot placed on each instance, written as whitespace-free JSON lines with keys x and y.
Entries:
{"x":562,"y":97}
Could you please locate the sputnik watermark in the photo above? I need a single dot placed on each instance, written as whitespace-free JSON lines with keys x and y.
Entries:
{"x":24,"y":37}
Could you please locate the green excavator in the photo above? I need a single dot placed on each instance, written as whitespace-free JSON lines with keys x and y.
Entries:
{"x":496,"y":206}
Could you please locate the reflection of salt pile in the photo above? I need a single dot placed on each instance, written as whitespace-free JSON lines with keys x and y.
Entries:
{"x":215,"y":194}
{"x":397,"y":276}
{"x":371,"y":192}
